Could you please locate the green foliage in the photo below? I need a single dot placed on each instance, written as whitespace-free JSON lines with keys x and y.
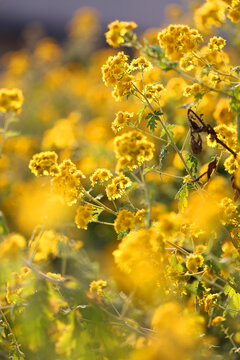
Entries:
{"x":182,"y":196}
{"x":153,"y":118}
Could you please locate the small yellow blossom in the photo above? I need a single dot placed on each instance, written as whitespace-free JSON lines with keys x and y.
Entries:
{"x":67,"y":183}
{"x":216,"y":43}
{"x":194,"y":262}
{"x":153,"y":91}
{"x":100,"y":176}
{"x":193,"y":90}
{"x":128,"y":220}
{"x":117,"y":186}
{"x":223,"y":113}
{"x":118,"y":30}
{"x":84,"y":215}
{"x":209,"y":14}
{"x":44,"y":163}
{"x":234,"y":11}
{"x":117,"y":73}
{"x":186,"y":63}
{"x":228,"y":213}
{"x":11,"y":246}
{"x":217,"y":320}
{"x":132,"y":149}
{"x":140,"y":64}
{"x":97,"y":286}
{"x":55,"y":276}
{"x":121,"y":120}
{"x":11,"y":100}
{"x":179,"y":40}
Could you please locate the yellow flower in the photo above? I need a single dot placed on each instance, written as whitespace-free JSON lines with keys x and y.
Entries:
{"x":96,"y":287}
{"x":116,"y":73}
{"x":228,"y":213}
{"x":84,"y":215}
{"x":84,"y":24}
{"x":179,"y":40}
{"x":217,"y":320}
{"x":186,"y":63}
{"x":216,"y":43}
{"x":153,"y":91}
{"x":140,"y":64}
{"x":132,"y":149}
{"x":47,"y":244}
{"x":44,"y":163}
{"x":209,"y":14}
{"x":100,"y":176}
{"x":67,"y":183}
{"x":117,"y":186}
{"x":128,"y":220}
{"x":193,"y":89}
{"x":234,"y":12}
{"x":118,"y":30}
{"x":47,"y":50}
{"x":11,"y":246}
{"x":223,"y":113}
{"x":194,"y":262}
{"x":11,"y":100}
{"x":121,"y":120}
{"x":225,"y":133}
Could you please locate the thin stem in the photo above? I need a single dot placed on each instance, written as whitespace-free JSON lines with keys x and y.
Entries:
{"x":4,"y":134}
{"x":11,"y":332}
{"x":103,"y":222}
{"x":99,"y":203}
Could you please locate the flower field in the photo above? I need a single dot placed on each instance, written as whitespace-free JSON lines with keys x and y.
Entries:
{"x":120,"y":190}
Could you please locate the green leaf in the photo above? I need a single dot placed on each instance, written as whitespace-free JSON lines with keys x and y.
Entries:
{"x":192,"y":164}
{"x":175,"y":264}
{"x":96,"y":214}
{"x":169,"y":127}
{"x":235,"y":101}
{"x":200,"y":289}
{"x":10,"y":133}
{"x":182,"y":196}
{"x":236,"y":69}
{"x":153,"y":118}
{"x":141,"y":113}
{"x":122,"y":234}
{"x":238,"y":128}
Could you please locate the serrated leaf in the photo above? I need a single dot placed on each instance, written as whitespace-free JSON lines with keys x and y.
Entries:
{"x":200,"y":289}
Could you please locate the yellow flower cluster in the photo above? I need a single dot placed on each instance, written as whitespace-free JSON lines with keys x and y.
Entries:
{"x":117,"y":186}
{"x":153,"y":92}
{"x":11,"y":246}
{"x":97,"y":286}
{"x":209,"y":14}
{"x":179,"y":40}
{"x":128,"y":220}
{"x":15,"y":287}
{"x":225,"y":133}
{"x":84,"y":215}
{"x":223,"y":113}
{"x":132,"y":149}
{"x":121,"y":120}
{"x":194,"y":262}
{"x":228,"y":213}
{"x":193,"y":90}
{"x":46,"y":244}
{"x":216,"y":43}
{"x":117,"y":73}
{"x":140,"y":64}
{"x":100,"y":176}
{"x":67,"y":182}
{"x":234,"y":11}
{"x":186,"y":63}
{"x":44,"y":163}
{"x":11,"y":100}
{"x":118,"y":30}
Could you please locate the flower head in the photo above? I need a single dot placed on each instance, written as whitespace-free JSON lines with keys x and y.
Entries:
{"x":44,"y":163}
{"x":118,"y":30}
{"x":11,"y":100}
{"x":117,"y":186}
